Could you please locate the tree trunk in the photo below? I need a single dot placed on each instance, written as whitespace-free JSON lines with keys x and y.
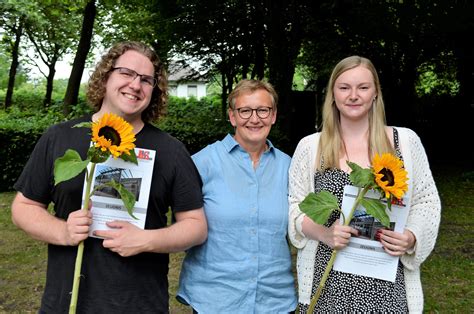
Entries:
{"x":49,"y":83}
{"x":14,"y":64}
{"x":223,"y":96}
{"x":284,"y":42}
{"x":83,"y":48}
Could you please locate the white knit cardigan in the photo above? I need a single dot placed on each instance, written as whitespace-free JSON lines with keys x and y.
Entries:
{"x":423,"y":219}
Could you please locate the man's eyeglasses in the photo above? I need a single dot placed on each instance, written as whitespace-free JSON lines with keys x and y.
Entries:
{"x":131,"y":75}
{"x":246,"y":112}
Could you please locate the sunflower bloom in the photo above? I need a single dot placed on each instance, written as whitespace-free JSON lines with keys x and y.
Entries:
{"x":390,"y":175}
{"x":114,"y":134}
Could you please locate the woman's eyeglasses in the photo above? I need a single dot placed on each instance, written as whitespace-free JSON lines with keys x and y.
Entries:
{"x":246,"y":112}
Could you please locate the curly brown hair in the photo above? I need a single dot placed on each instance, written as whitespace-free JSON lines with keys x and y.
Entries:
{"x":96,"y":86}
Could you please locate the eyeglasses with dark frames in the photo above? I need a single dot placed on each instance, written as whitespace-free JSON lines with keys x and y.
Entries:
{"x":247,"y":112}
{"x":131,"y":75}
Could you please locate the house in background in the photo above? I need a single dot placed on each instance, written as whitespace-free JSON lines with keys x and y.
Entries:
{"x":184,"y":81}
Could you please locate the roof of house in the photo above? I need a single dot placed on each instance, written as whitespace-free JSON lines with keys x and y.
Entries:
{"x":183,"y":72}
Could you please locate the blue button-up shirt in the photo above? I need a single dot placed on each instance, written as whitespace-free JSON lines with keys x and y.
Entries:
{"x":245,"y":264}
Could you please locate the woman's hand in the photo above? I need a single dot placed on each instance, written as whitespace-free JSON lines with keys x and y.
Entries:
{"x":396,"y":243}
{"x":337,"y":236}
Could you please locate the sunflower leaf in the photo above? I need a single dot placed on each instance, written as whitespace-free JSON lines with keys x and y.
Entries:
{"x":83,"y":125}
{"x":319,"y":206}
{"x":376,"y":209}
{"x":361,"y":177}
{"x":130,"y":158}
{"x":68,"y":166}
{"x":389,"y":202}
{"x":127,"y":197}
{"x":96,"y":155}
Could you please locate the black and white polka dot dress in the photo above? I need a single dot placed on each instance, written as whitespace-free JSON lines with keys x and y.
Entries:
{"x":346,"y":292}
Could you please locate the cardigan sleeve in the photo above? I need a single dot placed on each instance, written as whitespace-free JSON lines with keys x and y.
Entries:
{"x":300,"y":184}
{"x":425,"y":210}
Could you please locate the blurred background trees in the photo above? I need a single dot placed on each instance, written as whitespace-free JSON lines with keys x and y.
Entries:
{"x":420,"y":48}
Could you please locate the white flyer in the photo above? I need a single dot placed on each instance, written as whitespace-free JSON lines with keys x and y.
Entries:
{"x":364,"y":254}
{"x":106,"y":202}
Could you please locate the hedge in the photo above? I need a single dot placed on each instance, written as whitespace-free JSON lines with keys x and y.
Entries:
{"x":19,"y":132}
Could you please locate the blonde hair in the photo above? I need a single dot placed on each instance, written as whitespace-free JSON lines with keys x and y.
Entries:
{"x":96,"y":87}
{"x":330,"y":144}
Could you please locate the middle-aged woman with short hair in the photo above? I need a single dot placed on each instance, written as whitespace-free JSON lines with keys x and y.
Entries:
{"x":245,"y":264}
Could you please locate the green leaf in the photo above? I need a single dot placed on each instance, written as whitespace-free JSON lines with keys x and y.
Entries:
{"x":68,"y":166}
{"x":96,"y":155}
{"x":127,"y":197}
{"x":376,"y":209}
{"x":361,"y":177}
{"x":319,"y":206}
{"x":130,"y":158}
{"x":389,"y":202}
{"x":83,"y":125}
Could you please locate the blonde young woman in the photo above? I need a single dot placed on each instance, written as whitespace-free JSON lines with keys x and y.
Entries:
{"x":354,"y":129}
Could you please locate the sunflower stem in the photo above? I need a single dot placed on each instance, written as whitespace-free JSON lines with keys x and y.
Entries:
{"x":322,"y":283}
{"x":80,"y":248}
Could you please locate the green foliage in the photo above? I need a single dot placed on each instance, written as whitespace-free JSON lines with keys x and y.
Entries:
{"x":19,"y":132}
{"x":126,"y":196}
{"x":4,"y":69}
{"x":301,"y":78}
{"x":68,"y":166}
{"x":214,"y":86}
{"x":319,"y":206}
{"x":5,"y":62}
{"x":29,"y":97}
{"x":196,"y":123}
{"x":432,"y":81}
{"x":361,"y":176}
{"x":375,"y":208}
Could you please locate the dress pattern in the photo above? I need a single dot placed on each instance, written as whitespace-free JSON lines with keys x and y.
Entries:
{"x":346,"y":292}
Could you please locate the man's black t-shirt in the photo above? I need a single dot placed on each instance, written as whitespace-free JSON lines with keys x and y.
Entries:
{"x":110,"y":283}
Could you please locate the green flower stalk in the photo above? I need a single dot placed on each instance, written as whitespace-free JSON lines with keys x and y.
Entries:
{"x":80,"y":249}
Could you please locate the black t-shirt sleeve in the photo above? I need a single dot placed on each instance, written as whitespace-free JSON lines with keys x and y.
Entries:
{"x":187,"y":184}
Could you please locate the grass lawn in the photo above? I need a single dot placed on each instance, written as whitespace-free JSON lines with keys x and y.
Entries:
{"x":447,"y":275}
